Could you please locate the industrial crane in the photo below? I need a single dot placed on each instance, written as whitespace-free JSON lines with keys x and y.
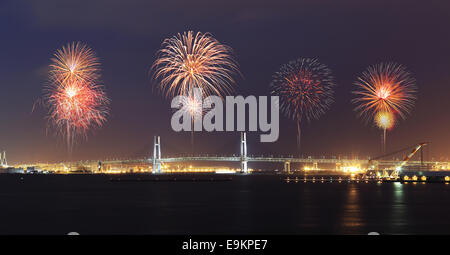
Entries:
{"x":398,"y":168}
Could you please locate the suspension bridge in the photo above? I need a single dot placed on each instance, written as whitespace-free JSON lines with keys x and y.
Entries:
{"x":155,"y":163}
{"x":244,"y":159}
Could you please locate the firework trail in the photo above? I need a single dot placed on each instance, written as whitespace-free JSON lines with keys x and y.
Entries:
{"x":76,"y":101}
{"x":305,"y":88}
{"x":187,"y":61}
{"x":386,"y":87}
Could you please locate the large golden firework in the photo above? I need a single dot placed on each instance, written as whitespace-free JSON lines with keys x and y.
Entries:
{"x":187,"y":61}
{"x":386,"y":87}
{"x":74,"y":62}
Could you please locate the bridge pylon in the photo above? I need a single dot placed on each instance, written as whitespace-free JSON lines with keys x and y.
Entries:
{"x":244,"y":168}
{"x":156,"y":155}
{"x":287,"y":167}
{"x":3,"y":161}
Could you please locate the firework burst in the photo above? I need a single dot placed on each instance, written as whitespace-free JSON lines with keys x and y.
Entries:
{"x":193,"y":106}
{"x":76,"y":101}
{"x":305,"y":88}
{"x":384,"y":121}
{"x":187,"y":61}
{"x":74,"y":62}
{"x":386,"y":87}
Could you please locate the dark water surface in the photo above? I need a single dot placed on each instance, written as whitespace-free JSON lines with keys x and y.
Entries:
{"x":254,"y":204}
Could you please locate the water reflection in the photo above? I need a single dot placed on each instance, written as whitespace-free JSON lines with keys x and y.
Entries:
{"x":351,"y":220}
{"x":398,"y":215}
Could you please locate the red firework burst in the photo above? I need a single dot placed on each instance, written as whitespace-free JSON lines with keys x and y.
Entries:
{"x":385,"y":88}
{"x":306,"y":88}
{"x":76,"y":101}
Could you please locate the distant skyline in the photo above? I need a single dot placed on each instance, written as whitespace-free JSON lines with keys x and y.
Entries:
{"x":126,"y":35}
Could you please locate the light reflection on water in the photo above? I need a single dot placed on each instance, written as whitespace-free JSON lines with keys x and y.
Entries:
{"x":398,"y":216}
{"x":253,"y":204}
{"x":351,"y":211}
{"x":386,"y":208}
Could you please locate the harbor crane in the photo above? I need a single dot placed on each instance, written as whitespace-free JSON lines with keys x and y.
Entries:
{"x":398,"y":167}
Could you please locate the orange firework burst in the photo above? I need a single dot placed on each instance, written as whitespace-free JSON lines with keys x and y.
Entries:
{"x":74,"y":62}
{"x":75,"y":100}
{"x":385,"y":88}
{"x":189,"y":61}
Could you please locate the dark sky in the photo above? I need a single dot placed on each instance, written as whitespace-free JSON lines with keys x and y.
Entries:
{"x":346,"y":35}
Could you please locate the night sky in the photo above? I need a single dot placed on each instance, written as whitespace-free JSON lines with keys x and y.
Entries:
{"x":348,"y":36}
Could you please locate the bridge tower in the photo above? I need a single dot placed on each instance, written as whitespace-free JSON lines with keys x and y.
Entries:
{"x":3,"y":161}
{"x":156,"y":154}
{"x":287,"y":167}
{"x":244,"y":168}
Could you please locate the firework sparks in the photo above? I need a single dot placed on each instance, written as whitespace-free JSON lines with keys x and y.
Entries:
{"x":189,"y":61}
{"x":385,"y":88}
{"x":384,"y":120}
{"x":305,"y":88}
{"x":193,"y":106}
{"x":76,"y":102}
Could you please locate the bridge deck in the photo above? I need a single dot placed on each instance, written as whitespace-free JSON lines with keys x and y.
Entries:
{"x":288,"y":159}
{"x":263,"y":159}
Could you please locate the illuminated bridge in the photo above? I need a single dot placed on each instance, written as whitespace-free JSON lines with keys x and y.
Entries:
{"x":243,"y":158}
{"x":309,"y":160}
{"x":141,"y":165}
